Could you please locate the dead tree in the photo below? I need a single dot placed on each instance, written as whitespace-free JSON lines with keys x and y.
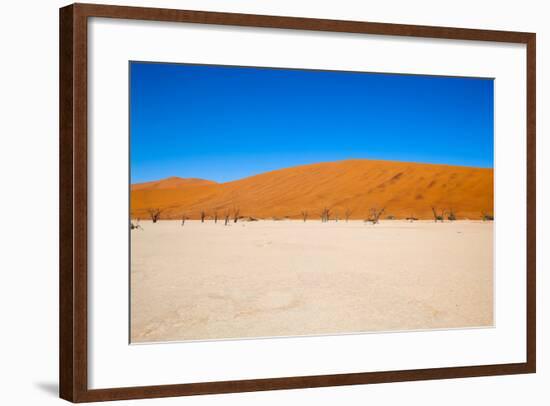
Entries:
{"x":375,"y":214}
{"x":451,"y":216}
{"x":347,"y":214}
{"x":325,"y":215}
{"x":154,"y":214}
{"x":135,"y":226}
{"x":236,"y":212}
{"x":438,"y":217}
{"x":304,"y":215}
{"x":215,"y":217}
{"x":227,"y":213}
{"x":203,"y":216}
{"x":183,"y":218}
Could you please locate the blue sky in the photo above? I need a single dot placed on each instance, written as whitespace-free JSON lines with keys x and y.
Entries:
{"x":224,"y":123}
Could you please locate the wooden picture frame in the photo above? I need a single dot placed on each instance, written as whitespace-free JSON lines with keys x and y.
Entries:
{"x":73,"y":280}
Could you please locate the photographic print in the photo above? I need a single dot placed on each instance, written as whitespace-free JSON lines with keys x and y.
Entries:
{"x":274,"y":202}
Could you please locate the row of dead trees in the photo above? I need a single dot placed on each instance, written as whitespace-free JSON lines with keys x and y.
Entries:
{"x":451,"y":216}
{"x":439,"y":215}
{"x":374,"y":215}
{"x":154,"y":215}
{"x":228,"y":215}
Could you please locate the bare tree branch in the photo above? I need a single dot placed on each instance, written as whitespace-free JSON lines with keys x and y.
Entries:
{"x":375,"y":214}
{"x":325,"y":215}
{"x":438,"y":217}
{"x":136,"y":225}
{"x":347,"y":214}
{"x":154,"y":214}
{"x":451,"y":216}
{"x":227,"y":214}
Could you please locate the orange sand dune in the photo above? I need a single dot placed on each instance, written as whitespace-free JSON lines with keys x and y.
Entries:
{"x":170,"y":183}
{"x":403,"y":189}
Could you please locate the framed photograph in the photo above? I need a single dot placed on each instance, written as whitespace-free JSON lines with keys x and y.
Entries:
{"x":256,"y":202}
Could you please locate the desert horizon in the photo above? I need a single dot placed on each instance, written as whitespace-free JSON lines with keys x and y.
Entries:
{"x":350,"y":189}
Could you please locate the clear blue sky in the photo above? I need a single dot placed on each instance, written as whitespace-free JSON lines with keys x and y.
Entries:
{"x":224,"y":123}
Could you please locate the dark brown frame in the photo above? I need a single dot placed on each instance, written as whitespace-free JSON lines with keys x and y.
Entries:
{"x":73,"y":361}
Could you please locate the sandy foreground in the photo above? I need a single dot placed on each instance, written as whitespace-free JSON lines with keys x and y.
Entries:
{"x":287,"y":278}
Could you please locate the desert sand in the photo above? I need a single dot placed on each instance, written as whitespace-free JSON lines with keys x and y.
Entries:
{"x":288,"y":278}
{"x":404,"y":189}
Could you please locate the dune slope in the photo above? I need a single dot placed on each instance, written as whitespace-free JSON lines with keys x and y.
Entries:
{"x":356,"y":186}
